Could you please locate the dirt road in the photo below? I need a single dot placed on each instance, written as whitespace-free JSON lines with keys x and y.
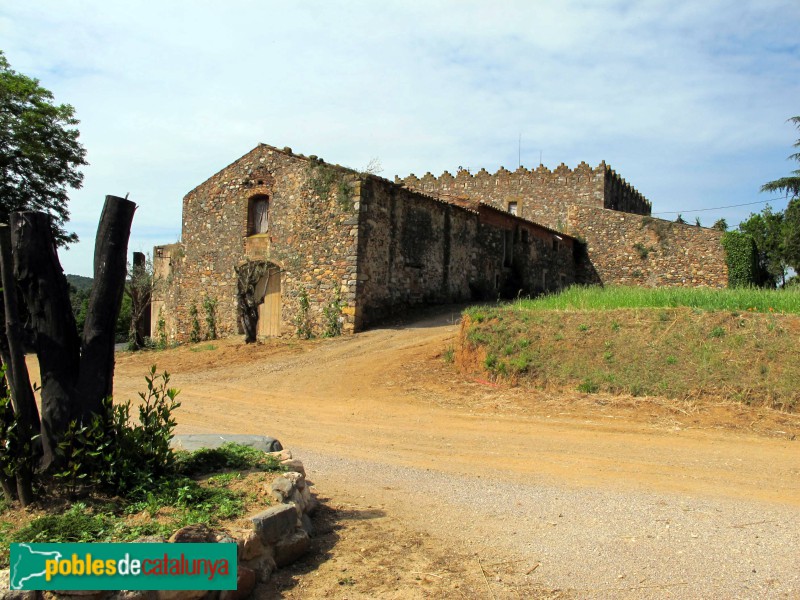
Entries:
{"x":443,"y":485}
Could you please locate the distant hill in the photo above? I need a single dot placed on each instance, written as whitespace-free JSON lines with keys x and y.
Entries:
{"x":80,"y":283}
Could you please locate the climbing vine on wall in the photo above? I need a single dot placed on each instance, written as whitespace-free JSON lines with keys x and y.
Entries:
{"x":741,"y":257}
{"x":332,"y":315}
{"x":302,"y":319}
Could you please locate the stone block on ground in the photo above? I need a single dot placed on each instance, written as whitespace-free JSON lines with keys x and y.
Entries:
{"x":298,"y":479}
{"x":282,"y":489}
{"x":251,"y":545}
{"x":134,"y":595}
{"x":245,"y":584}
{"x":292,"y":547}
{"x":281,"y":454}
{"x":274,"y":523}
{"x":308,"y":526}
{"x":196,"y":441}
{"x":193,"y":534}
{"x":181,"y":594}
{"x":263,"y":566}
{"x":294,"y":465}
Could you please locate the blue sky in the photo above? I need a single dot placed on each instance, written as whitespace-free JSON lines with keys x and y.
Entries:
{"x":688,"y":101}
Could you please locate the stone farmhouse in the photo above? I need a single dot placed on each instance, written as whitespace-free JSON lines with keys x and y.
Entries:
{"x":323,"y":247}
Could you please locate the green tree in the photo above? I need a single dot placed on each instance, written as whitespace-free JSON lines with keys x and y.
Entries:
{"x":790,"y":185}
{"x":791,"y":234}
{"x":720,"y":225}
{"x":767,"y":231}
{"x":39,"y":150}
{"x":790,"y":226}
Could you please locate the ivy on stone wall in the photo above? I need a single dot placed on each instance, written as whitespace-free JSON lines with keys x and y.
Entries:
{"x":741,"y":257}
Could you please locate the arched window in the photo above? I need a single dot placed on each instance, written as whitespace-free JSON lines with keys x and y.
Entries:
{"x":258,"y":215}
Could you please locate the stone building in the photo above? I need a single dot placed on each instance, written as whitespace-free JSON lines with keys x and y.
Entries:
{"x":320,"y":248}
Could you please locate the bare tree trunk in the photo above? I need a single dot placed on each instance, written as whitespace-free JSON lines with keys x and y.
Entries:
{"x":97,"y":352}
{"x":46,"y":293}
{"x":26,"y":413}
{"x":140,"y":290}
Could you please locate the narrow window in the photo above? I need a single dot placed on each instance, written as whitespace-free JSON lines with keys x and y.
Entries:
{"x":512,"y":208}
{"x":258,"y":215}
{"x":524,"y":235}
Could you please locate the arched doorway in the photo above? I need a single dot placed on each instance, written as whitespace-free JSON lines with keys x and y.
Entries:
{"x":268,"y":297}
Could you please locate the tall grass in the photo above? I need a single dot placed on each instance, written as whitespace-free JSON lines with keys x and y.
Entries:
{"x":602,"y":298}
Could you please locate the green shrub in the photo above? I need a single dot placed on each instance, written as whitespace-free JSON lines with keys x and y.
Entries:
{"x":194,"y":333}
{"x":210,"y":308}
{"x":110,"y":453}
{"x":301,"y":319}
{"x":741,"y":257}
{"x":227,"y":456}
{"x":587,"y":386}
{"x":332,"y":315}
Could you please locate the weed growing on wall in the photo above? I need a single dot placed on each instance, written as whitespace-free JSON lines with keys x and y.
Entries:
{"x":643,"y":250}
{"x":302,"y":320}
{"x":194,"y":333}
{"x":332,"y":315}
{"x":320,"y":177}
{"x":210,"y":308}
{"x":161,"y":331}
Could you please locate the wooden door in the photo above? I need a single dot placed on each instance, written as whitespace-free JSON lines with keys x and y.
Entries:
{"x":269,"y":311}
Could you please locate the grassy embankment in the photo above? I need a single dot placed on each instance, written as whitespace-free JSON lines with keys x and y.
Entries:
{"x":677,"y":343}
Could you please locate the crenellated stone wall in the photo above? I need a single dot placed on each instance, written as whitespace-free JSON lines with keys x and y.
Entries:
{"x":541,"y":195}
{"x":640,"y":250}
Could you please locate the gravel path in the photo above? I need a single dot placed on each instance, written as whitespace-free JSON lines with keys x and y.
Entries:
{"x":595,"y":543}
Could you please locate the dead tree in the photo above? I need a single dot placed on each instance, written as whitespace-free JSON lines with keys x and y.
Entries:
{"x":46,"y":293}
{"x":110,"y":268}
{"x":140,"y":286}
{"x":22,"y":400}
{"x":76,"y":376}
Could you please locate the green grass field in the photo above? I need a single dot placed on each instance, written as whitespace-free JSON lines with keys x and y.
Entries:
{"x":736,"y":345}
{"x":603,"y":298}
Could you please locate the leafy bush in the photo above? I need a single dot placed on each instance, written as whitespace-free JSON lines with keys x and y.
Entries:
{"x":741,"y":257}
{"x":110,"y":453}
{"x":333,"y":316}
{"x":194,"y":333}
{"x":301,"y":319}
{"x":210,"y":308}
{"x":227,"y":456}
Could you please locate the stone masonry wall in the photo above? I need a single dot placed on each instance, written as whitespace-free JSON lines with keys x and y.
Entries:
{"x":413,"y":250}
{"x":540,"y":260}
{"x":312,"y":237}
{"x":627,"y":249}
{"x":542,"y":196}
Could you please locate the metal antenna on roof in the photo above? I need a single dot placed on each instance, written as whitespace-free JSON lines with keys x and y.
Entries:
{"x":519,"y":151}
{"x":540,"y":158}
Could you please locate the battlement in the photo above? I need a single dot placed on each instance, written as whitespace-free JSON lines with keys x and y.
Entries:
{"x":541,"y":194}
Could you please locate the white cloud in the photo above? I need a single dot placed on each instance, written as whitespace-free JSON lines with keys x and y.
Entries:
{"x":687,"y":100}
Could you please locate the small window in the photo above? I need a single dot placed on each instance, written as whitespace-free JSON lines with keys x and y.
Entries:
{"x":525,"y":235}
{"x":258,"y":215}
{"x":555,"y":244}
{"x":512,"y":208}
